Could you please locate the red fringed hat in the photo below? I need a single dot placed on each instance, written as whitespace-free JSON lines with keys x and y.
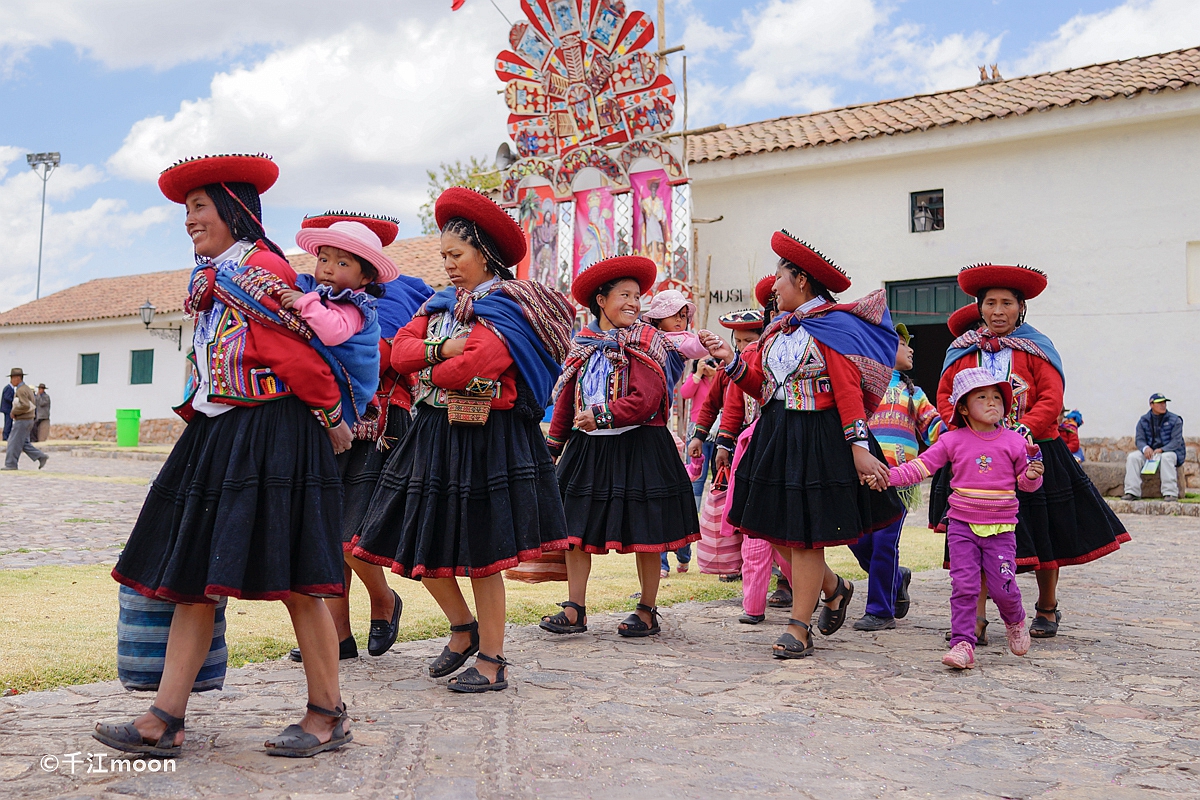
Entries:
{"x":763,"y":290}
{"x":458,"y":201}
{"x":637,"y":268}
{"x":750,"y":319}
{"x":385,"y":228}
{"x":965,"y":319}
{"x":811,"y":260}
{"x":979,"y":277}
{"x":192,"y":173}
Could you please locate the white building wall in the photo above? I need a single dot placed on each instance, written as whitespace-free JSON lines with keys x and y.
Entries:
{"x":1105,"y":199}
{"x":49,"y":354}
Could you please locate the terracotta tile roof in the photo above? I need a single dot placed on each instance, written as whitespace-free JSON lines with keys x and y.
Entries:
{"x":1175,"y":70}
{"x":420,"y":256}
{"x":110,"y":298}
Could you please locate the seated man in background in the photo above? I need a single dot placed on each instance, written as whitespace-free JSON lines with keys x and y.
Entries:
{"x":1159,"y":433}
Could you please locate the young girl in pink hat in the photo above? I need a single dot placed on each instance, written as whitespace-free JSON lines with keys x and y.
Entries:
{"x":989,"y":463}
{"x":350,"y":267}
{"x":672,"y":313}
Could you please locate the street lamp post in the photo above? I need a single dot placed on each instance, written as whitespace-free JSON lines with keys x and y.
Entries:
{"x":43,"y":164}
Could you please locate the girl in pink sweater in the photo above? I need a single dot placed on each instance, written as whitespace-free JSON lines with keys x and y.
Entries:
{"x":989,"y":463}
{"x":350,"y":262}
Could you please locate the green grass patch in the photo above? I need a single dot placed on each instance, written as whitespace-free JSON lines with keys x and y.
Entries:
{"x":86,"y":519}
{"x":60,"y":623}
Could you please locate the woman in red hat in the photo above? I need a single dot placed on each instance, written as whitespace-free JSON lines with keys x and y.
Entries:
{"x":248,"y":504}
{"x":470,"y":490}
{"x":820,"y":370}
{"x":1064,"y":522}
{"x":622,"y":483}
{"x":396,"y":298}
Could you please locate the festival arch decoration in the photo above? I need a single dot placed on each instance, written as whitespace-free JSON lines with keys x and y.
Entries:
{"x":585,"y":94}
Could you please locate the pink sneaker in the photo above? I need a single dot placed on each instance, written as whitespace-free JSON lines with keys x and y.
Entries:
{"x":961,"y":656}
{"x":1018,"y":638}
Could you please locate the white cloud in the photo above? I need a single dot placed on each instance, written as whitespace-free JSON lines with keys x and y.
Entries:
{"x":71,"y":236}
{"x":163,"y":33}
{"x":352,"y":119}
{"x":1134,"y":28}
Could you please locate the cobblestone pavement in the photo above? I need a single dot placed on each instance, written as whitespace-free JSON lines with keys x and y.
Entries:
{"x":74,"y":511}
{"x":1108,"y":709}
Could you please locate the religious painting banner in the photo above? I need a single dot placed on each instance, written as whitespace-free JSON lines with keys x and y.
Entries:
{"x":538,"y":217}
{"x":652,"y":218}
{"x":595,"y":228}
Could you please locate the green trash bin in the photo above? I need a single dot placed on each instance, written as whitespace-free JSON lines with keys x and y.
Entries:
{"x":128,"y":422}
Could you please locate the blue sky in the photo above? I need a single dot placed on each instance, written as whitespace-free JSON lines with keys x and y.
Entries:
{"x":356,"y":99}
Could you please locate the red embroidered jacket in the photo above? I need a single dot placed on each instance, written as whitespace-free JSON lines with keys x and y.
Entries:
{"x":394,"y":387}
{"x":1037,"y":392}
{"x":711,"y":405}
{"x":641,"y":406}
{"x":251,"y":363}
{"x":838,"y":386}
{"x":484,"y":366}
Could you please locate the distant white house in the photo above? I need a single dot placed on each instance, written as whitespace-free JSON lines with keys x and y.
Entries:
{"x":1090,"y":174}
{"x":90,"y":347}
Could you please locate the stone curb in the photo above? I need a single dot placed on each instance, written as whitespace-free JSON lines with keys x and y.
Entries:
{"x":1153,"y":508}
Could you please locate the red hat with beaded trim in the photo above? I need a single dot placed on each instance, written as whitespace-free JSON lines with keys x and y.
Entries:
{"x":977,"y":278}
{"x":637,"y":268}
{"x":811,"y":260}
{"x":750,"y":319}
{"x":764,"y":289}
{"x":458,"y":201}
{"x":965,"y":319}
{"x":191,"y":173}
{"x":386,"y":228}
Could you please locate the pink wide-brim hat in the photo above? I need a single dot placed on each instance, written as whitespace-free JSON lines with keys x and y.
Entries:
{"x":353,"y":237}
{"x":976,"y":378}
{"x":667,"y":304}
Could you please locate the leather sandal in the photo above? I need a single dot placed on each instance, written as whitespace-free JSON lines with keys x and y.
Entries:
{"x":1042,"y":628}
{"x":473,"y":681}
{"x":788,"y":646}
{"x":126,"y":737}
{"x":830,"y":620}
{"x":295,"y":742}
{"x":347,"y":649}
{"x":561,"y":623}
{"x":634,"y":627}
{"x":449,"y":661}
{"x":383,"y":632}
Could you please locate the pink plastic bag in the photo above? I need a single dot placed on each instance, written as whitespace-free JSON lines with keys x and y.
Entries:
{"x":717,"y":554}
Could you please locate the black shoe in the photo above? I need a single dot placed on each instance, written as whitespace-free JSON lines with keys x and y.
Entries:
{"x":1128,"y":496}
{"x":347,"y":649}
{"x":870,"y":622}
{"x":751,"y":619}
{"x":780,"y":598}
{"x":1167,"y":498}
{"x":902,"y":599}
{"x":384,"y":633}
{"x":830,"y":620}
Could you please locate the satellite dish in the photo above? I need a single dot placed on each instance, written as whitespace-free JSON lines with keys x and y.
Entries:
{"x":505,"y":157}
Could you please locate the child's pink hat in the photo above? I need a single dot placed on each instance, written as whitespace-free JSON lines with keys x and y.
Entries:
{"x":667,"y":303}
{"x":353,"y":237}
{"x":976,"y":378}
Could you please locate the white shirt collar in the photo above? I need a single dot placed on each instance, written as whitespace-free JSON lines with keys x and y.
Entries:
{"x":235,"y":252}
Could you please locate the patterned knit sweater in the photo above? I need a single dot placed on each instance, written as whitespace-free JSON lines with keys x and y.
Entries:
{"x":904,"y":420}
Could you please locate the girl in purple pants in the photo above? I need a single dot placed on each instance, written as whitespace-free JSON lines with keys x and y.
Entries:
{"x":988,"y":464}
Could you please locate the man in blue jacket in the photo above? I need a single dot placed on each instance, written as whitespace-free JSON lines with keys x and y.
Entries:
{"x":1159,"y":433}
{"x":6,"y":401}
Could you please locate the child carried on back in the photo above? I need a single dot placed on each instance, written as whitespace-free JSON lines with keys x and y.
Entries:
{"x":672,"y":314}
{"x":990,"y":463}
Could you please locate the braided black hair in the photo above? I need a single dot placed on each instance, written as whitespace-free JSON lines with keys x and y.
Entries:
{"x":478,"y":238}
{"x":241,"y":212}
{"x":374,"y":288}
{"x":818,"y":288}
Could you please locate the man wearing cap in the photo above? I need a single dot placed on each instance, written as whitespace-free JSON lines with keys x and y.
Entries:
{"x":41,"y":416}
{"x":23,"y":411}
{"x":1159,"y":433}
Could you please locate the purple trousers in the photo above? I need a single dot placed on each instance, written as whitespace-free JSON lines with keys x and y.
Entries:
{"x":878,"y":554}
{"x":994,"y":556}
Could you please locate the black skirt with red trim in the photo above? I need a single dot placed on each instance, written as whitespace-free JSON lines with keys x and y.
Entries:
{"x":361,"y":467}
{"x":797,"y":485}
{"x":1064,"y":523}
{"x":463,"y":500}
{"x":248,"y":505}
{"x":627,"y":492}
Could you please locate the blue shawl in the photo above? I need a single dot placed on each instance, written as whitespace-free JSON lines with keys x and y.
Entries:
{"x":402,"y":297}
{"x":1026,"y":338}
{"x":507,"y":319}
